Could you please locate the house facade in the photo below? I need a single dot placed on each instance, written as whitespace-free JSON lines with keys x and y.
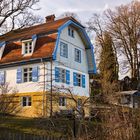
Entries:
{"x":54,"y":57}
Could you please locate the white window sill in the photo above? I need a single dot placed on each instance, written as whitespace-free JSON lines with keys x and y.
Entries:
{"x":27,"y":54}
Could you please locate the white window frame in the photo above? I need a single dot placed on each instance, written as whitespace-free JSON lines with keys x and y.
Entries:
{"x":71,"y":32}
{"x":27,"y":47}
{"x":63,"y":49}
{"x":79,"y":79}
{"x":29,"y":74}
{"x":28,"y":101}
{"x":62,"y":101}
{"x":62,"y":75}
{"x":77,"y":56}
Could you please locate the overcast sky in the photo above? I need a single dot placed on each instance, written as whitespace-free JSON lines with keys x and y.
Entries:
{"x":83,"y":8}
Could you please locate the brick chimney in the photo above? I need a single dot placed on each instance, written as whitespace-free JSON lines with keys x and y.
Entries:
{"x":50,"y":18}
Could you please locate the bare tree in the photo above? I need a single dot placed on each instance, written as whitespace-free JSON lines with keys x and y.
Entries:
{"x":70,"y":14}
{"x":124,"y":25}
{"x":106,"y":48}
{"x":106,"y":109}
{"x":17,"y":14}
{"x":8,"y":100}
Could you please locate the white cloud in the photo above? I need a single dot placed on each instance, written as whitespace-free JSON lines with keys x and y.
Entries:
{"x":84,"y":8}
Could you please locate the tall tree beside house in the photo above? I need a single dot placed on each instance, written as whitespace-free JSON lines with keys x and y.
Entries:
{"x":106,"y":51}
{"x":17,"y":14}
{"x":108,"y":62}
{"x":124,"y":24}
{"x":107,"y":65}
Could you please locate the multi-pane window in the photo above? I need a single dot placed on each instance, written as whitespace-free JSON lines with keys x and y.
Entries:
{"x":79,"y":80}
{"x":26,"y":101}
{"x":77,"y":55}
{"x":27,"y":74}
{"x":28,"y":47}
{"x":62,"y":101}
{"x":62,"y":75}
{"x":71,"y":32}
{"x":63,"y":49}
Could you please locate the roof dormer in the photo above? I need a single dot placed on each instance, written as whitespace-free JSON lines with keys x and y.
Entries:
{"x":28,"y":45}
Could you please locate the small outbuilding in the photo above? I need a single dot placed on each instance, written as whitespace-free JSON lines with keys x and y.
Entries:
{"x":129,"y":98}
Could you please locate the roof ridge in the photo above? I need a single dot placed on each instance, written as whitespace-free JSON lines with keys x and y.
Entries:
{"x":34,"y":26}
{"x":37,"y":29}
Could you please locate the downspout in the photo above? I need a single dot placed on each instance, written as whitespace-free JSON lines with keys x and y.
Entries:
{"x":51,"y":105}
{"x":44,"y":91}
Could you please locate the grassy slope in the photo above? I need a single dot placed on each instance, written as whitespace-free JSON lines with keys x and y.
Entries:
{"x":57,"y":127}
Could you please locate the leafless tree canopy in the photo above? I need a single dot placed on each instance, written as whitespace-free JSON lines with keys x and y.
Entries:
{"x":123,"y":24}
{"x":71,"y":14}
{"x":8,"y":102}
{"x":17,"y":14}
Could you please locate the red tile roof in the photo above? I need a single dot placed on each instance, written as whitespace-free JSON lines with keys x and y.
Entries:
{"x":44,"y":45}
{"x":37,"y":29}
{"x":28,"y":32}
{"x":44,"y":48}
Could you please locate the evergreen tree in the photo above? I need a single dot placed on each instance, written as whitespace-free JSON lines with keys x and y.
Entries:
{"x":108,"y":63}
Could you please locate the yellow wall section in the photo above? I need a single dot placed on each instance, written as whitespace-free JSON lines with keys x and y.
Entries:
{"x":36,"y":109}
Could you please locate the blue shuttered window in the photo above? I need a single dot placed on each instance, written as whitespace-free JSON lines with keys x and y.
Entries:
{"x":79,"y":80}
{"x":27,"y":74}
{"x":35,"y":74}
{"x":2,"y":77}
{"x":62,"y":75}
{"x":83,"y":81}
{"x":56,"y":74}
{"x":67,"y":77}
{"x":19,"y":75}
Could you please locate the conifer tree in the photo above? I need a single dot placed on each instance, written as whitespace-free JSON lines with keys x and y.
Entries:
{"x":108,"y":65}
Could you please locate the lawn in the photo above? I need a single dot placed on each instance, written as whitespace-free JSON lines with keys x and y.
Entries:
{"x":56,"y":127}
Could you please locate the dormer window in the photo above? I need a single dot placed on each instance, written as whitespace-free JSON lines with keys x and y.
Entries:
{"x":71,"y":32}
{"x":27,"y":47}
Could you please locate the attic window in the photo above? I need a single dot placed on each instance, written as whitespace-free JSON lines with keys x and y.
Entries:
{"x":71,"y":32}
{"x":27,"y":47}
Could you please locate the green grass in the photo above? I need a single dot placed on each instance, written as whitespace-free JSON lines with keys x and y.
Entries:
{"x":57,"y":127}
